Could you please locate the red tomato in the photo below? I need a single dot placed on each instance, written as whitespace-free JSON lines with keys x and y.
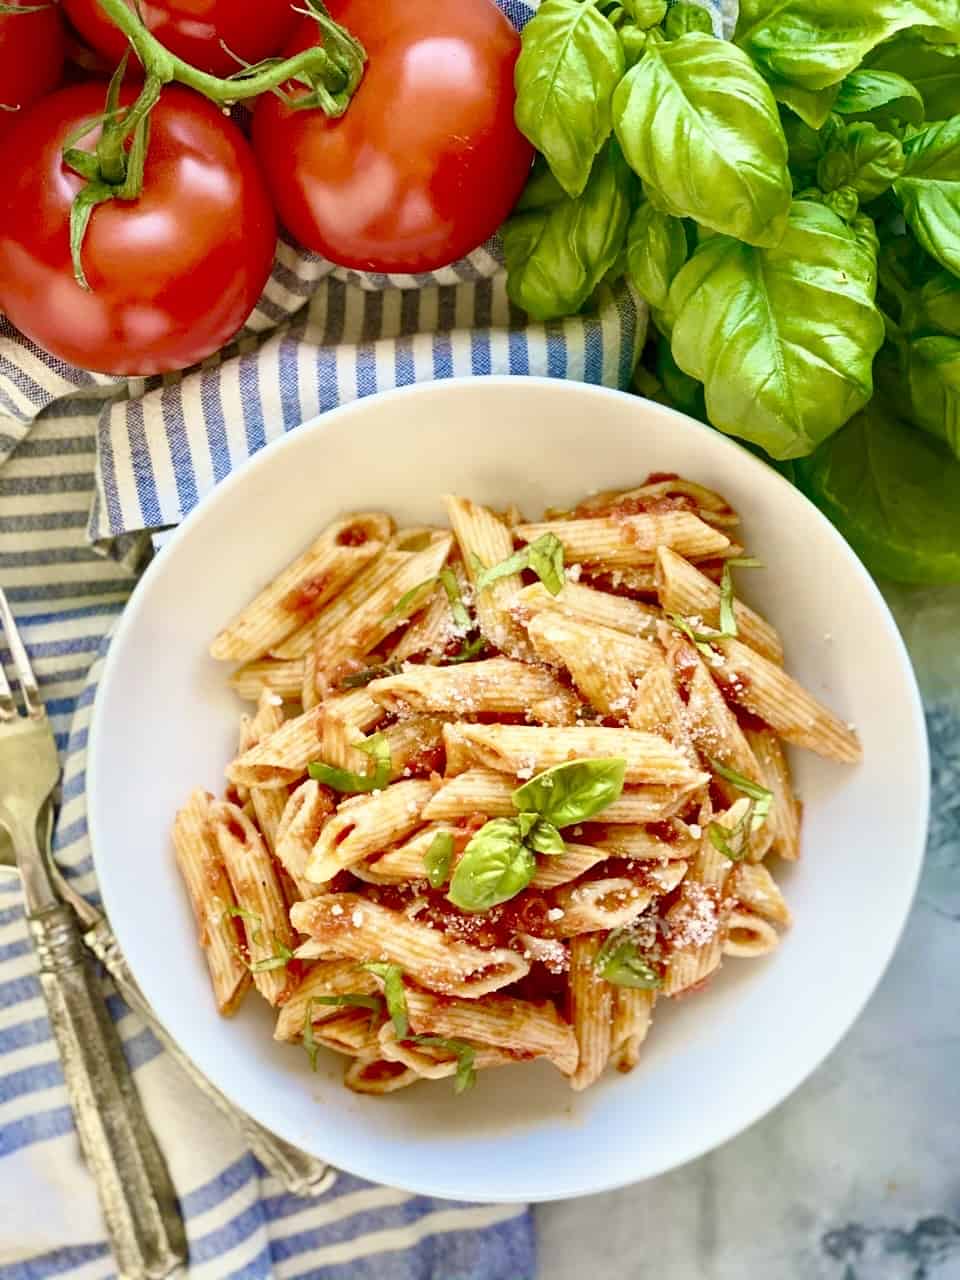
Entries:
{"x":32,"y":47}
{"x":173,"y":274}
{"x":194,"y":29}
{"x":427,"y":161}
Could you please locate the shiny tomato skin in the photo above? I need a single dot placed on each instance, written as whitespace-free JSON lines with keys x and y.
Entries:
{"x":194,"y":29}
{"x":427,"y":160}
{"x":173,"y":275}
{"x":32,"y":50}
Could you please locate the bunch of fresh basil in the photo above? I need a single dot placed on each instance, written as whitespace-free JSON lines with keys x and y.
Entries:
{"x":789,"y":205}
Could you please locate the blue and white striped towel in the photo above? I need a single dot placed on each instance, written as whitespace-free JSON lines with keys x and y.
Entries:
{"x":86,"y":464}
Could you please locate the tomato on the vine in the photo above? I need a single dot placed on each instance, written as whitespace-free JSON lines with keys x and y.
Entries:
{"x":210,"y":34}
{"x":32,"y":49}
{"x":427,"y":161}
{"x":173,"y":274}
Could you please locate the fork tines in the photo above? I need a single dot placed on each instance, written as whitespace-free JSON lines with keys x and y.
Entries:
{"x":25,"y":676}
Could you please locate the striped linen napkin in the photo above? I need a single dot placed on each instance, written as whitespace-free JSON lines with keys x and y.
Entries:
{"x":87,"y":464}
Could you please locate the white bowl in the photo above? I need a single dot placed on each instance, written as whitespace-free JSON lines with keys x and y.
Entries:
{"x":165,"y":722}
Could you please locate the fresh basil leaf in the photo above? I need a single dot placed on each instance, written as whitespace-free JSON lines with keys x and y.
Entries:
{"x":701,"y":640}
{"x":844,"y":202}
{"x":816,"y":43}
{"x":936,"y":306}
{"x":545,"y":559}
{"x":682,"y":391}
{"x":862,"y":158}
{"x":783,"y":339}
{"x":556,"y":256}
{"x":279,"y":960}
{"x":619,"y":961}
{"x":813,"y":106}
{"x":448,"y":580}
{"x":570,"y":63}
{"x":544,"y":837}
{"x":656,"y":250}
{"x":525,"y":823}
{"x":933,"y":384}
{"x":360,"y":679}
{"x":761,"y":796}
{"x":437,"y":859}
{"x":928,"y":191}
{"x":466,"y":1075}
{"x":376,"y":746}
{"x":728,"y":619}
{"x":495,"y":866}
{"x":733,"y":842}
{"x":803,"y":149}
{"x":683,"y":18}
{"x":403,"y":607}
{"x":647,"y":13}
{"x":514,"y":563}
{"x":391,"y":975}
{"x":892,"y":493}
{"x":542,"y":189}
{"x":572,"y":792}
{"x":699,"y":124}
{"x":934,"y":71}
{"x":879,"y":96}
{"x":634,"y":41}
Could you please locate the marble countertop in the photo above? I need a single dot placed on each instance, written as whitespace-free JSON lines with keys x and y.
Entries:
{"x":856,"y":1176}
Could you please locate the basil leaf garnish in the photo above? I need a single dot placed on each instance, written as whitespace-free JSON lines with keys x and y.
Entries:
{"x":728,"y":619}
{"x":448,"y":580}
{"x":360,"y":679}
{"x":351,"y":1000}
{"x":733,"y":842}
{"x":544,"y":837}
{"x":437,"y":859}
{"x":391,"y":975}
{"x":572,"y":792}
{"x":762,"y":797}
{"x":402,"y":607}
{"x":544,"y":556}
{"x":376,"y":746}
{"x":469,"y":649}
{"x":618,"y":961}
{"x":495,"y":866}
{"x":466,"y":1055}
{"x":308,"y":1039}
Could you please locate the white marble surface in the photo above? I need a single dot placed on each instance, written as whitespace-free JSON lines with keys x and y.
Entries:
{"x":857,"y":1175}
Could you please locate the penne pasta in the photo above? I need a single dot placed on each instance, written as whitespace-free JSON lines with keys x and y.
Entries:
{"x":436,"y":1062}
{"x":405,"y":862}
{"x":349,"y":925}
{"x":296,"y":595}
{"x":785,"y":811}
{"x":604,"y":664}
{"x":749,"y":935}
{"x":498,"y":686}
{"x":610,"y":902}
{"x":756,"y":891}
{"x":587,"y":605}
{"x":630,"y":540}
{"x":591,"y":1001}
{"x":378,"y":1076}
{"x":364,"y":825}
{"x":631,"y":1018}
{"x":298,"y":830}
{"x":485,"y":540}
{"x":281,"y":759}
{"x":211,"y":896}
{"x":561,"y":868}
{"x":330,"y":978}
{"x":285,"y":679}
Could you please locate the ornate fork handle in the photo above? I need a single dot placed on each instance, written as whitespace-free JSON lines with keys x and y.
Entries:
{"x":137,"y":1197}
{"x":299,"y":1172}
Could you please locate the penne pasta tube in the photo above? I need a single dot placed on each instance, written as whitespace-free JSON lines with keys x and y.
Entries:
{"x":258,"y":894}
{"x":785,"y":815}
{"x":349,"y":1031}
{"x":624,"y":580}
{"x":524,"y":750}
{"x":519,"y":1028}
{"x":603,"y":663}
{"x":496,"y":686}
{"x":298,"y":830}
{"x":591,"y":1001}
{"x":628,"y":540}
{"x":749,"y":935}
{"x":766,"y":690}
{"x":329,"y":978}
{"x":406,"y":861}
{"x":561,"y":868}
{"x":485,"y":540}
{"x":631,"y":1019}
{"x":756,"y":891}
{"x":435,"y":1062}
{"x":377,"y":1076}
{"x":644,"y":845}
{"x":281,"y":759}
{"x":482,"y":791}
{"x":285,"y":679}
{"x":656,"y":707}
{"x":349,"y":925}
{"x":683,"y":589}
{"x":366,"y":824}
{"x":610,"y":902}
{"x":268,"y":802}
{"x":587,"y":605}
{"x":211,"y":896}
{"x":298,"y":594}
{"x":710,"y":506}
{"x":434,"y":629}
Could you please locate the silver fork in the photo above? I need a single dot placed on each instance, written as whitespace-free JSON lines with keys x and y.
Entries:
{"x":136,"y":1194}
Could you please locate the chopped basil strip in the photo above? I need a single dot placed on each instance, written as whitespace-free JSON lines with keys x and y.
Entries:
{"x":360,"y":679}
{"x":466,"y":1055}
{"x":544,"y":556}
{"x":353,"y":1000}
{"x":448,"y":580}
{"x":376,"y":746}
{"x":733,"y":842}
{"x":248,"y":917}
{"x":496,"y":865}
{"x":728,"y":619}
{"x":618,"y":961}
{"x":700,"y":639}
{"x":278,"y":960}
{"x":391,"y":975}
{"x":403,"y":605}
{"x":308,"y":1039}
{"x":437,"y":859}
{"x":762,"y":797}
{"x":572,"y":792}
{"x":469,"y":649}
